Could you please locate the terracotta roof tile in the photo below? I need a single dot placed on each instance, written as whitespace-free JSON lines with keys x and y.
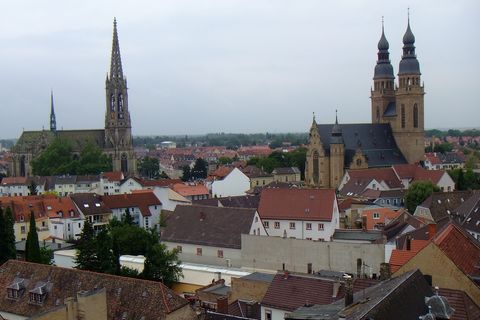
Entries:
{"x":135,"y":297}
{"x":297,"y":204}
{"x":113,"y":175}
{"x":400,"y":257}
{"x":385,"y":215}
{"x":464,"y":307}
{"x":190,"y":190}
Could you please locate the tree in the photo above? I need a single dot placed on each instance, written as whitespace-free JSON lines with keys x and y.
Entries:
{"x":200,"y":169}
{"x":86,"y":258}
{"x":149,"y":167}
{"x":225,"y":160}
{"x":127,"y":217}
{"x":163,"y":175}
{"x":187,"y":173}
{"x":3,"y":243}
{"x":417,"y":193}
{"x":59,"y":159}
{"x":162,"y":265}
{"x":32,"y":247}
{"x":32,"y":188}
{"x":9,"y":235}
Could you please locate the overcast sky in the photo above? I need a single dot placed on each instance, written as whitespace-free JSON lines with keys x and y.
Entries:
{"x":230,"y":66}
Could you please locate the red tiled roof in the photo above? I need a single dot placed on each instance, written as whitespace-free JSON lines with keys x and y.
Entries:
{"x":432,"y":157}
{"x":380,"y":174}
{"x":189,"y":190}
{"x":53,"y":207}
{"x":297,"y":204}
{"x":400,"y":257}
{"x":113,"y":175}
{"x":385,"y":215}
{"x":416,"y":173}
{"x":141,"y":200}
{"x":23,"y":206}
{"x":464,"y":307}
{"x":220,"y":172}
{"x":460,"y":248}
{"x":14,"y":180}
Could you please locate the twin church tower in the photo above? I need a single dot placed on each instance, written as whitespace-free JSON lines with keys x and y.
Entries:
{"x":115,"y":140}
{"x":395,"y":135}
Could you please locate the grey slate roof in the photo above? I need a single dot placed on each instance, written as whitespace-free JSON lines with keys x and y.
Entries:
{"x":375,"y":140}
{"x":286,"y":170}
{"x":391,"y":110}
{"x":259,"y":276}
{"x":209,"y":226}
{"x":357,"y":235}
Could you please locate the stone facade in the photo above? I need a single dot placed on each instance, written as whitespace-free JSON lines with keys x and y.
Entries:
{"x":115,"y":139}
{"x":395,"y":134}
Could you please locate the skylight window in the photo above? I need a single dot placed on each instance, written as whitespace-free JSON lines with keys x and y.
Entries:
{"x":86,"y":205}
{"x":49,"y":207}
{"x":97,"y":204}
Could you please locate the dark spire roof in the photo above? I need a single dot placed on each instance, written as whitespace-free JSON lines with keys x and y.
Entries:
{"x":53,"y":121}
{"x":336,"y":137}
{"x":409,"y":63}
{"x":383,"y":69}
{"x":116,"y":71}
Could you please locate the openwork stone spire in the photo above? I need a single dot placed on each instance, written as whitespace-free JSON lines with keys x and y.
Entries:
{"x":116,"y":71}
{"x":53,"y":121}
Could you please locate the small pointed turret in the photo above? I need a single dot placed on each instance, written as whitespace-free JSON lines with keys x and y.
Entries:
{"x":337,"y":135}
{"x":53,"y":121}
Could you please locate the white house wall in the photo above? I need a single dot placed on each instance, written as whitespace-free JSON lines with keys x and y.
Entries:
{"x":236,"y":183}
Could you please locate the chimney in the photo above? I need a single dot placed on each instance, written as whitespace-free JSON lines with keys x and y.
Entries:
{"x":385,"y":271}
{"x":222,"y":305}
{"x":364,"y":223}
{"x":285,"y":274}
{"x":348,"y":290}
{"x":432,"y":230}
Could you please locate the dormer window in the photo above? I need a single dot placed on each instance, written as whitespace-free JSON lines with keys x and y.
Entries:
{"x":17,"y":288}
{"x":86,"y":205}
{"x":39,"y":293}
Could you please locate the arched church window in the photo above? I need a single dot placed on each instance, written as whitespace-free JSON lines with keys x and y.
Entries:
{"x":124,"y":163}
{"x":316,"y":167}
{"x":378,"y":113}
{"x":403,"y":115}
{"x":112,"y":103}
{"x":120,"y":103}
{"x":359,"y":162}
{"x":415,"y":116}
{"x":23,"y":172}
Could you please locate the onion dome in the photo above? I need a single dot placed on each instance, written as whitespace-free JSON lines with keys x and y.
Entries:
{"x":409,"y":63}
{"x":383,"y":68}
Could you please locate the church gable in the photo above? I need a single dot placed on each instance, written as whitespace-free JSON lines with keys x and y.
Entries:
{"x":376,"y":141}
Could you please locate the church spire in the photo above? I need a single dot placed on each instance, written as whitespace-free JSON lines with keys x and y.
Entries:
{"x":409,"y":63}
{"x":53,"y":121}
{"x":383,"y":69}
{"x":116,"y":71}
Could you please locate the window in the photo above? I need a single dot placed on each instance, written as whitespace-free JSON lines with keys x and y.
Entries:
{"x":403,"y":115}
{"x":12,"y":293}
{"x":68,"y":227}
{"x":199,"y":251}
{"x":277,"y":225}
{"x":220,"y":253}
{"x":376,"y":215}
{"x":321,"y":227}
{"x":292,"y":225}
{"x":22,"y":229}
{"x":415,"y":116}
{"x":256,"y":219}
{"x":179,"y":249}
{"x":36,"y":298}
{"x":309,"y":226}
{"x":266,"y":224}
{"x":268,"y":315}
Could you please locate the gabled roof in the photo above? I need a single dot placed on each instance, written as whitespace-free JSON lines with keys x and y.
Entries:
{"x":254,"y":172}
{"x":23,"y":206}
{"x":141,"y":200}
{"x":113,"y":175}
{"x":297,"y":204}
{"x":293,"y":291}
{"x":60,"y":208}
{"x":375,"y":140}
{"x":445,"y":204}
{"x":286,"y":170}
{"x":90,"y":203}
{"x":459,"y":247}
{"x":414,"y":172}
{"x":220,"y":173}
{"x":135,"y":297}
{"x":209,"y":226}
{"x":187,"y":190}
{"x":400,"y":257}
{"x":65,"y":179}
{"x":359,"y":179}
{"x":7,"y":181}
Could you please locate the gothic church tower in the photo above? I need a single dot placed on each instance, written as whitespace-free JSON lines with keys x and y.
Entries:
{"x":118,"y":128}
{"x":317,"y":166}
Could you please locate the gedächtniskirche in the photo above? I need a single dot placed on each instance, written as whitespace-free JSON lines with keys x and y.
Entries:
{"x":115,"y":140}
{"x":396,"y":134}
